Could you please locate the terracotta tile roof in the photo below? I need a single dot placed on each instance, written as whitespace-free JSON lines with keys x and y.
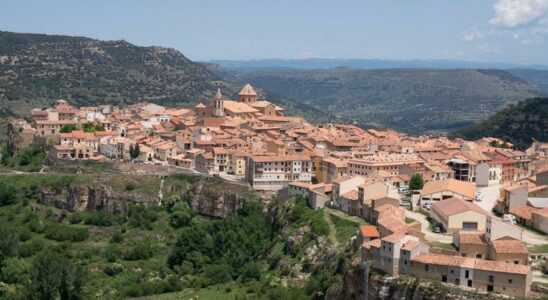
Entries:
{"x":394,"y":237}
{"x":467,"y":189}
{"x":238,"y":107}
{"x":300,"y":184}
{"x":477,"y":238}
{"x":523,"y":212}
{"x":352,"y":195}
{"x":541,"y":212}
{"x":509,"y":246}
{"x":472,"y":263}
{"x":272,"y":158}
{"x":392,"y":224}
{"x":342,"y":179}
{"x":376,"y":243}
{"x":369,"y":231}
{"x":452,"y":206}
{"x":248,"y":90}
{"x":410,"y":245}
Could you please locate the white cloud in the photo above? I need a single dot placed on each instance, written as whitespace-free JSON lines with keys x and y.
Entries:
{"x":472,"y":35}
{"x":512,"y":13}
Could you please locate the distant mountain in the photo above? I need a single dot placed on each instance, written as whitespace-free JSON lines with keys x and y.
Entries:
{"x":519,"y":124}
{"x":412,"y":100}
{"x":37,"y":69}
{"x":330,"y":63}
{"x":536,"y":78}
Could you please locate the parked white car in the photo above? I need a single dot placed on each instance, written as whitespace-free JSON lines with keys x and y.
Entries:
{"x":509,"y":218}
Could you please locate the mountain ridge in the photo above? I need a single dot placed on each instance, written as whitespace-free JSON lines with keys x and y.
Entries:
{"x":411,"y":100}
{"x":37,"y":69}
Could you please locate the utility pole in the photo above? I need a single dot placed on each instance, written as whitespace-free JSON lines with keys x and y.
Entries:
{"x":366,"y":268}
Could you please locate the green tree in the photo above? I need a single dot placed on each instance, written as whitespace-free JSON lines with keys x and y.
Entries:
{"x":8,"y":193}
{"x":416,"y":182}
{"x":68,"y":128}
{"x":54,"y":276}
{"x":134,"y":151}
{"x":8,"y":242}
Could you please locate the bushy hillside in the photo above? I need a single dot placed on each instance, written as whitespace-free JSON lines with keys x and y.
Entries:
{"x":519,"y":124}
{"x":37,"y":69}
{"x":413,"y":100}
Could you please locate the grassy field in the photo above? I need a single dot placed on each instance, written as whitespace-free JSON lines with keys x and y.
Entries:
{"x":346,"y":226}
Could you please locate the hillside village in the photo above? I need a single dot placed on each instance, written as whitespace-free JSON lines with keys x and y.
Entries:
{"x":485,"y":200}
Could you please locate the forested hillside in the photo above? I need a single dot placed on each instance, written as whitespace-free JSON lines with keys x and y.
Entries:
{"x":519,"y":124}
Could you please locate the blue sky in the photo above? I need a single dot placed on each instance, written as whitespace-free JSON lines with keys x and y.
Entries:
{"x":511,"y":31}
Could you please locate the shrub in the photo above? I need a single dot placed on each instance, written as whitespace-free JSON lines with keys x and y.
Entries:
{"x":99,"y":218}
{"x":37,"y":225}
{"x":217,"y":273}
{"x":180,"y":218}
{"x":142,"y":250}
{"x":8,"y":194}
{"x":141,"y":216}
{"x":117,"y":237}
{"x":76,"y":218}
{"x":114,"y":269}
{"x":251,"y":271}
{"x":112,"y":253}
{"x":59,"y":232}
{"x":24,"y":235}
{"x":30,"y":248}
{"x":15,"y":270}
{"x":130,"y":186}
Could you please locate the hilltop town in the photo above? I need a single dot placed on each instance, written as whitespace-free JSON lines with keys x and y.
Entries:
{"x":450,"y":210}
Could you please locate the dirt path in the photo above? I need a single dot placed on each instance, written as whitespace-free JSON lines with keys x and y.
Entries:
{"x":160,"y":193}
{"x":332,"y":228}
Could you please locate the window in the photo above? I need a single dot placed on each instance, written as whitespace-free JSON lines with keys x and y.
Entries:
{"x":426,"y":268}
{"x":443,"y":278}
{"x":510,"y":280}
{"x":491,"y":278}
{"x":466,"y":274}
{"x":516,"y":262}
{"x":478,"y":255}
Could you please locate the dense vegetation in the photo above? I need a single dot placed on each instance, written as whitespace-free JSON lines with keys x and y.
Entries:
{"x":518,"y":124}
{"x":412,"y":100}
{"x":29,"y":159}
{"x":48,"y":253}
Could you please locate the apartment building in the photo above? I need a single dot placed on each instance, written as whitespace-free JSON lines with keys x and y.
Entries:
{"x":274,"y":172}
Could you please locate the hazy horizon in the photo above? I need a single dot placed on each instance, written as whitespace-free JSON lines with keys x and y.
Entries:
{"x":488,"y":31}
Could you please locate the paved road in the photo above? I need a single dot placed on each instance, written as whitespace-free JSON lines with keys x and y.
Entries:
{"x":425,"y":228}
{"x":490,"y":196}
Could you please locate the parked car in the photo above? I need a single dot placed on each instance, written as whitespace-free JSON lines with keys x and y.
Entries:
{"x":403,"y":190}
{"x":436,"y":229}
{"x":510,"y":218}
{"x":479,"y":196}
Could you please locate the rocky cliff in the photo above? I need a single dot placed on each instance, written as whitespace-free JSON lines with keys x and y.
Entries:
{"x":206,"y":196}
{"x":94,"y":198}
{"x":215,"y":199}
